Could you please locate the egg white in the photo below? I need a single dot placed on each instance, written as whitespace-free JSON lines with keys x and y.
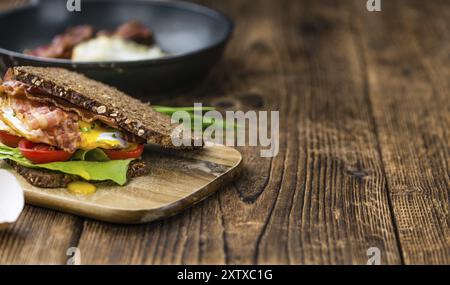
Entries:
{"x":4,"y":127}
{"x":114,"y":48}
{"x":9,"y":119}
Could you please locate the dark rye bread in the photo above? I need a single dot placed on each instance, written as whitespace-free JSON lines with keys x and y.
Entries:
{"x":117,"y":108}
{"x":53,"y":179}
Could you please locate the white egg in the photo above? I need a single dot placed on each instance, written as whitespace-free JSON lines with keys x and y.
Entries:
{"x":10,"y":119}
{"x":11,"y":199}
{"x":114,"y":49}
{"x":113,"y":137}
{"x":4,"y":127}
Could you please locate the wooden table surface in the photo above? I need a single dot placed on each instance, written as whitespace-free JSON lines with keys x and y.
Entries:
{"x":364,"y":156}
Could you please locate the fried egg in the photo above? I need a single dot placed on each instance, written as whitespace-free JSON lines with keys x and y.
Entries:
{"x":94,"y":135}
{"x":5,"y":128}
{"x":10,"y":123}
{"x":15,"y":126}
{"x":114,"y":48}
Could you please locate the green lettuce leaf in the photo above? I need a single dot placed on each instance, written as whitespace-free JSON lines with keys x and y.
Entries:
{"x":115,"y":170}
{"x":90,"y":155}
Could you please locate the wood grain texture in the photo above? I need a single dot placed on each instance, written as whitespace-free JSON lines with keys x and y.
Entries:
{"x":408,"y":54}
{"x":39,"y":236}
{"x":364,"y":154}
{"x":332,"y":171}
{"x":323,"y":198}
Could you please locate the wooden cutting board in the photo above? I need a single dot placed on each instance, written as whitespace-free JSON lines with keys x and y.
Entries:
{"x":177,"y":180}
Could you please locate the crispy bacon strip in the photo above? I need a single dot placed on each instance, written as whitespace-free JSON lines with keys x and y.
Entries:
{"x":135,"y":31}
{"x":59,"y":128}
{"x":63,"y":45}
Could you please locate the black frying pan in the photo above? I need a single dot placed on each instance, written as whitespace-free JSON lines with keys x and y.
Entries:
{"x":193,"y":35}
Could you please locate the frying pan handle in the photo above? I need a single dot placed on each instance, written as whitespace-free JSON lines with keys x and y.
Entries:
{"x":30,"y":4}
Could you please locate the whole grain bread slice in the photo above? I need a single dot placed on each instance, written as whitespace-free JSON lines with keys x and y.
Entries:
{"x":103,"y":101}
{"x":54,"y":179}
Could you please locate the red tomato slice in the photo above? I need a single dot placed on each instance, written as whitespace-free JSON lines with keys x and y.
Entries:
{"x":42,"y":153}
{"x":124,"y":154}
{"x":9,"y":140}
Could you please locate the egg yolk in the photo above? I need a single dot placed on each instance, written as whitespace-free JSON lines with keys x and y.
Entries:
{"x":94,"y":135}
